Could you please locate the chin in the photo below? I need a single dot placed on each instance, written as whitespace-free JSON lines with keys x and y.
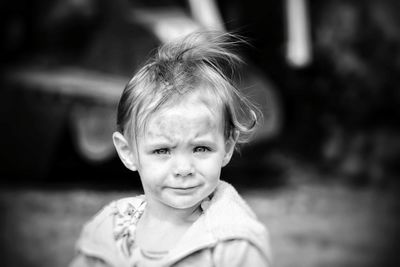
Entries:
{"x":188,"y":199}
{"x":186,"y":203}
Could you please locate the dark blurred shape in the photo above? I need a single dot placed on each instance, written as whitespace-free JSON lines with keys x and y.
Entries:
{"x":339,"y":113}
{"x":356,"y":80}
{"x":58,"y":28}
{"x":64,"y":65}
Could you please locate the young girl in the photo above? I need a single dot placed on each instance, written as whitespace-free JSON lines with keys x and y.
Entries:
{"x":179,"y":120}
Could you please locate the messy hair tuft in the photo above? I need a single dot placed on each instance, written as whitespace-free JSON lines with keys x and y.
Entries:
{"x":180,"y":67}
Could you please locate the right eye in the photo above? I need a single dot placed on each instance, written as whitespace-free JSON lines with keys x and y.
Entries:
{"x":201,"y":149}
{"x":161,"y":151}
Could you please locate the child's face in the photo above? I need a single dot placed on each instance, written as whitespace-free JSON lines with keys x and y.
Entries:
{"x":181,"y":153}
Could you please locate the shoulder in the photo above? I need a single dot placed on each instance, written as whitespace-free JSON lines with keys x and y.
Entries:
{"x":102,"y":224}
{"x":100,"y":235}
{"x":229,"y":218}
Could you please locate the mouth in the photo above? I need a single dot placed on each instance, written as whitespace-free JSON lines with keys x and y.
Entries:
{"x":184,"y":190}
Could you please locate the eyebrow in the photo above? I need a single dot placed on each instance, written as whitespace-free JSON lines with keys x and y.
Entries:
{"x":161,"y":141}
{"x":203,"y":138}
{"x":208,"y":143}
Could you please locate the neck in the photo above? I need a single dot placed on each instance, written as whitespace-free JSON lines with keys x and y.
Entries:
{"x":161,"y":227}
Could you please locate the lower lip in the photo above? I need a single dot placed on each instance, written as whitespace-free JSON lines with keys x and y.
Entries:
{"x":184,"y":191}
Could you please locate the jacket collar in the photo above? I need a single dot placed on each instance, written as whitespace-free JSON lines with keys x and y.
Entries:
{"x":226,"y":217}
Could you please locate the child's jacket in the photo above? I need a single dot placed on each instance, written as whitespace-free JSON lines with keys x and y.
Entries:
{"x":226,"y":234}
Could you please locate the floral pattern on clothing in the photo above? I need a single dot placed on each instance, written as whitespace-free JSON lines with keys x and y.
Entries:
{"x":126,"y":217}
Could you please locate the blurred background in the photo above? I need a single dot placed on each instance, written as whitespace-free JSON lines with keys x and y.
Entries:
{"x":321,"y":172}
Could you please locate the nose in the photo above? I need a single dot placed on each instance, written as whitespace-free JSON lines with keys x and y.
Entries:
{"x":183,"y":166}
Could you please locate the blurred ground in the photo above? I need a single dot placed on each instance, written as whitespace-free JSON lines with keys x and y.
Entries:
{"x":311,"y":224}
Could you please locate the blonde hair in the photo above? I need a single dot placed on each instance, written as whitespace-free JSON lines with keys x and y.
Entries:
{"x":178,"y":68}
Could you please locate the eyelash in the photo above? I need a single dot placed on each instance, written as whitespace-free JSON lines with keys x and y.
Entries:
{"x":198,"y":149}
{"x":202,"y":149}
{"x":161,"y":151}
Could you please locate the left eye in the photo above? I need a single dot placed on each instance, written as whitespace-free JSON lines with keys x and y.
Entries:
{"x":201,"y":149}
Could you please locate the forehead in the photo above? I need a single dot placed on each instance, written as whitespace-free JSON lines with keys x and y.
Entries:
{"x":191,"y":113}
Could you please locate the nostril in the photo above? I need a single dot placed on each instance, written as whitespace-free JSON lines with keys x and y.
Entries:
{"x":184,"y":173}
{"x":183,"y":166}
{"x":184,"y":170}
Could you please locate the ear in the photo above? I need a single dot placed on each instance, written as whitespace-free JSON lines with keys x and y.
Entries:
{"x":230,"y":148}
{"x":125,"y":152}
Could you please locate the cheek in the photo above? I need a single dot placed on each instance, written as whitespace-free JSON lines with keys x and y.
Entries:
{"x":151,"y":171}
{"x":211,"y":168}
{"x":152,"y":175}
{"x":152,"y":181}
